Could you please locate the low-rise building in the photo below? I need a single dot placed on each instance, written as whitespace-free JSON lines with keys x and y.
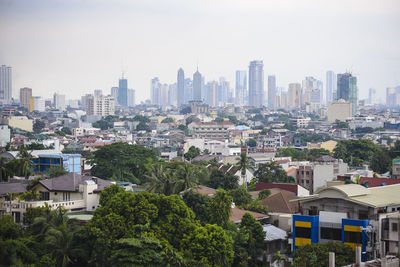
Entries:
{"x":340,"y":110}
{"x":211,"y":130}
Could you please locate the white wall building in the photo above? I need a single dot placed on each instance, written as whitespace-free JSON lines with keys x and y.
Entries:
{"x":340,"y":110}
{"x":4,"y":135}
{"x":59,"y":101}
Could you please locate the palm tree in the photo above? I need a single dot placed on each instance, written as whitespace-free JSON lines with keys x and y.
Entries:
{"x":4,"y":172}
{"x":244,"y":164}
{"x":160,"y":180}
{"x":186,"y":177}
{"x":26,"y":161}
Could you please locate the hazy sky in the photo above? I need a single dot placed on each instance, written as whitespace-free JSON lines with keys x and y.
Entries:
{"x":74,"y":47}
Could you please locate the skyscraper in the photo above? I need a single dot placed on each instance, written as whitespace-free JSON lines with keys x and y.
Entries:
{"x":5,"y":85}
{"x":188,"y":90}
{"x":59,"y":101}
{"x":181,"y":87}
{"x":294,"y":95}
{"x":271,"y":91}
{"x":330,"y":86}
{"x":241,"y":87}
{"x":131,"y":98}
{"x":172,"y":95}
{"x":347,"y":90}
{"x":98,"y":92}
{"x":155,"y":91}
{"x":197,"y":86}
{"x":123,"y":92}
{"x":212,"y":93}
{"x":25,"y":95}
{"x":371,"y":96}
{"x":256,"y":83}
{"x":223,"y":90}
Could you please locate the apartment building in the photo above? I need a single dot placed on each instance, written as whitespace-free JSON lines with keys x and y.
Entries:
{"x":211,"y":130}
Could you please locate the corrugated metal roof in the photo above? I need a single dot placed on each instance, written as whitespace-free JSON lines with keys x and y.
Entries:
{"x":273,"y":233}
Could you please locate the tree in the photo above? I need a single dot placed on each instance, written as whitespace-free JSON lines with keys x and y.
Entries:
{"x":191,"y":119}
{"x":57,"y":172}
{"x":264,"y":194}
{"x":122,"y":161}
{"x":142,"y":126}
{"x":381,"y":162}
{"x":240,"y":196}
{"x":38,"y":126}
{"x":192,"y":153}
{"x":199,"y":204}
{"x":356,"y":152}
{"x":4,"y":171}
{"x":341,"y":124}
{"x":66,"y":130}
{"x":252,"y":142}
{"x":160,"y":181}
{"x":141,"y":118}
{"x":26,"y":161}
{"x":167,"y":120}
{"x":220,"y":208}
{"x":316,"y":255}
{"x":219,"y":179}
{"x":244,"y":164}
{"x":209,"y":245}
{"x":256,"y":236}
{"x":272,"y":172}
{"x":186,"y":177}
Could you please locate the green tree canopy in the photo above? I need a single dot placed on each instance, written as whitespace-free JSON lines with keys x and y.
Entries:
{"x":219,"y":179}
{"x":272,"y":172}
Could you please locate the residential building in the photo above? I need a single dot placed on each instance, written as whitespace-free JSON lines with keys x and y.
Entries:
{"x":20,"y":122}
{"x":271,"y":91}
{"x":241,"y":87}
{"x":212,"y":94}
{"x":25,"y":95}
{"x":340,"y":110}
{"x":38,"y":104}
{"x":114,"y":93}
{"x":131,"y":98}
{"x":393,"y":97}
{"x":188,"y":90}
{"x":315,"y":175}
{"x":211,"y":130}
{"x":197,"y":82}
{"x":59,"y":101}
{"x":155,"y":91}
{"x":198,"y":107}
{"x":100,"y":105}
{"x":68,"y":162}
{"x":256,"y":83}
{"x":123,"y":92}
{"x":5,"y":85}
{"x":347,"y":90}
{"x":396,"y":168}
{"x":300,"y":122}
{"x":181,"y":87}
{"x":330,"y":86}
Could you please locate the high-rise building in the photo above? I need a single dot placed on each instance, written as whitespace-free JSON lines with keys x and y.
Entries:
{"x":163,"y":100}
{"x":98,"y":92}
{"x":197,"y":82}
{"x":131,"y":97}
{"x":223,"y":90}
{"x":123,"y":92}
{"x":181,"y":87}
{"x":5,"y":85}
{"x":371,"y":96}
{"x":212,"y":100}
{"x":393,"y":97}
{"x":271,"y":91}
{"x":188,"y":90}
{"x":155,"y":91}
{"x":330,"y":86}
{"x":59,"y":101}
{"x":172,"y":95}
{"x":25,"y":95}
{"x":114,"y":94}
{"x":347,"y":90}
{"x":241,"y":87}
{"x":38,"y":104}
{"x":100,"y":105}
{"x":294,"y":96}
{"x":256,"y":83}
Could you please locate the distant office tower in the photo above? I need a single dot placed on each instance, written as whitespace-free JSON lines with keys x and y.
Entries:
{"x":256,"y":83}
{"x":59,"y":101}
{"x":84,"y":101}
{"x":100,"y":105}
{"x":204,"y":90}
{"x":114,"y":92}
{"x":241,"y":87}
{"x":223,"y":90}
{"x":73,"y":103}
{"x":294,"y":95}
{"x":393,"y":97}
{"x":38,"y":104}
{"x":284,"y":100}
{"x":25,"y":95}
{"x":212,"y":100}
{"x":163,"y":100}
{"x":181,"y":87}
{"x":371,"y":96}
{"x":98,"y":92}
{"x":330,"y":86}
{"x":131,"y":98}
{"x":271,"y":91}
{"x":172,"y":95}
{"x":188,"y":90}
{"x":123,"y":92}
{"x":155,"y":91}
{"x":5,"y":85}
{"x":320,"y":86}
{"x":197,"y":86}
{"x":347,"y":90}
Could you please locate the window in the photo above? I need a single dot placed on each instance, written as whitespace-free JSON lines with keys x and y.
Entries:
{"x":313,"y":210}
{"x":44,"y":196}
{"x":303,"y":232}
{"x":363,"y":214}
{"x":353,"y":237}
{"x":66,"y":196}
{"x":331,"y":233}
{"x":394,"y":227}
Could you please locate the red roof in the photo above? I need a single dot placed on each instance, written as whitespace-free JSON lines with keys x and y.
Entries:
{"x":374,"y":182}
{"x":283,"y":186}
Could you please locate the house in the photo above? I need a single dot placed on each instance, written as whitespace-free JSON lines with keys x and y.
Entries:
{"x":280,"y":202}
{"x":72,"y":191}
{"x":275,"y":240}
{"x":294,"y":188}
{"x":237,"y":214}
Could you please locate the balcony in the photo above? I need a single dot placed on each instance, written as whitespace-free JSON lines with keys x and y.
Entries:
{"x":21,"y":206}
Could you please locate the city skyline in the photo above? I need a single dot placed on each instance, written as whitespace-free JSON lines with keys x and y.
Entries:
{"x":363,"y":38}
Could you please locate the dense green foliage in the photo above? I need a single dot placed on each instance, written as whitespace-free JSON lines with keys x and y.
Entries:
{"x":192,"y":153}
{"x":272,"y":172}
{"x":317,"y":255}
{"x":311,"y":138}
{"x":302,"y":155}
{"x":219,"y":179}
{"x":38,"y":126}
{"x":123,"y":162}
